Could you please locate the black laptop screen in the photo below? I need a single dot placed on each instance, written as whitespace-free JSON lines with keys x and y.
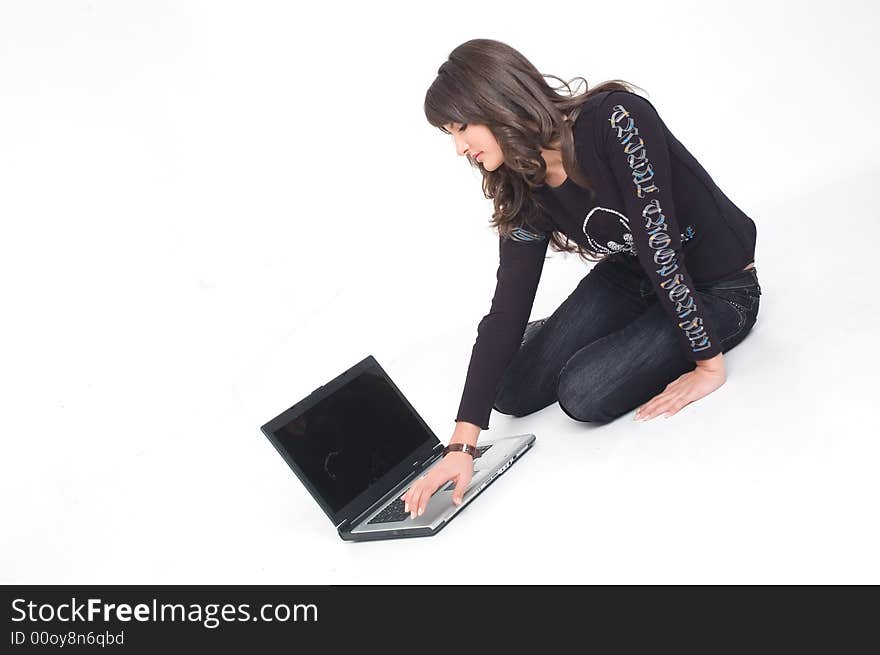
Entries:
{"x":350,"y":439}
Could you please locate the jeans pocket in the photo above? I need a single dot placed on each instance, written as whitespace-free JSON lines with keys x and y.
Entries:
{"x":744,"y":303}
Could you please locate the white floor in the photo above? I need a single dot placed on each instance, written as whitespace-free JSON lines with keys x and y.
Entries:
{"x":772,"y":478}
{"x":168,"y":289}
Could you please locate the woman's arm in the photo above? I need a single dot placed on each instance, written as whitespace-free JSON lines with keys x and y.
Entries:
{"x":499,"y":333}
{"x":465,"y":432}
{"x":638,"y":155}
{"x":637,"y":152}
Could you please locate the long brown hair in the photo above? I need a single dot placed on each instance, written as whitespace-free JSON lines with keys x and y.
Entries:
{"x":490,"y":83}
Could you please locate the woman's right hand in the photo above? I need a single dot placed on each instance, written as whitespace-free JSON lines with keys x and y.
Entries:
{"x":458,"y":466}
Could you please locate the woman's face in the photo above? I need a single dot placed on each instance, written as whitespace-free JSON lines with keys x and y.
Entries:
{"x":473,"y":139}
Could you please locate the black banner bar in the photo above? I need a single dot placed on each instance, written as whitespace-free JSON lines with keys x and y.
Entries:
{"x":136,"y":618}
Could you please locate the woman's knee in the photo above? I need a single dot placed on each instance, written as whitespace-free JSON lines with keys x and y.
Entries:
{"x":503,"y":404}
{"x":522,"y":395}
{"x":579,"y":393}
{"x":509,"y":401}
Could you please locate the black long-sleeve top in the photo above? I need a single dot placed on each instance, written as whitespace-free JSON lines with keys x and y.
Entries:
{"x":654,"y":202}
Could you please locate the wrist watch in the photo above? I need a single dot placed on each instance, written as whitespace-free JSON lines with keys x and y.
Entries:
{"x":463,"y":447}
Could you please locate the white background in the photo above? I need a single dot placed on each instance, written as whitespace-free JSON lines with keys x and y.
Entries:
{"x":210,"y":209}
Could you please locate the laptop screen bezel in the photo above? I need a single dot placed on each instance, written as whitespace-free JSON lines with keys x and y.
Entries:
{"x":388,"y":481}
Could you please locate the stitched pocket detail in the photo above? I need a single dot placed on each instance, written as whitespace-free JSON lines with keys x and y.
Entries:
{"x":743,"y":315}
{"x":742,"y":301}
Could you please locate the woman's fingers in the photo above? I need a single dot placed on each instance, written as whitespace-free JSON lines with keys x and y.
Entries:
{"x":418,"y":496}
{"x":427,"y":494}
{"x":416,"y":500}
{"x":410,"y":496}
{"x":423,"y":490}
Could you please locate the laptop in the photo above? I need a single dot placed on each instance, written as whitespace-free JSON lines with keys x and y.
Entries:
{"x":357,"y":445}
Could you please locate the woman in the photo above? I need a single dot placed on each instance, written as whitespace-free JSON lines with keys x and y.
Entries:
{"x":599,"y":174}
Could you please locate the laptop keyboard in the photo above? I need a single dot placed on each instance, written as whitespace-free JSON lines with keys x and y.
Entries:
{"x":394,"y":512}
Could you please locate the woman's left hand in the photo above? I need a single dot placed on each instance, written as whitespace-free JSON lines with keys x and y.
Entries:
{"x":693,"y":385}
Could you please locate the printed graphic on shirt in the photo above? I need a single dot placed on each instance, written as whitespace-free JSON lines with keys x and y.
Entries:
{"x":605,"y":228}
{"x":521,"y":234}
{"x":627,"y":135}
{"x":606,"y":225}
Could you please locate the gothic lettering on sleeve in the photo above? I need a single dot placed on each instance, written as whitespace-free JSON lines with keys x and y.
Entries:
{"x":663,"y":255}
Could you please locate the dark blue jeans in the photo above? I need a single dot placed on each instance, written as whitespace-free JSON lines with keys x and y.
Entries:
{"x":610,"y":347}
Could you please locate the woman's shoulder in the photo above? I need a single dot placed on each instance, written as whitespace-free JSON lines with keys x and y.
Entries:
{"x":613,"y":100}
{"x":591,"y":116}
{"x":597,"y":105}
{"x":591,"y":126}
